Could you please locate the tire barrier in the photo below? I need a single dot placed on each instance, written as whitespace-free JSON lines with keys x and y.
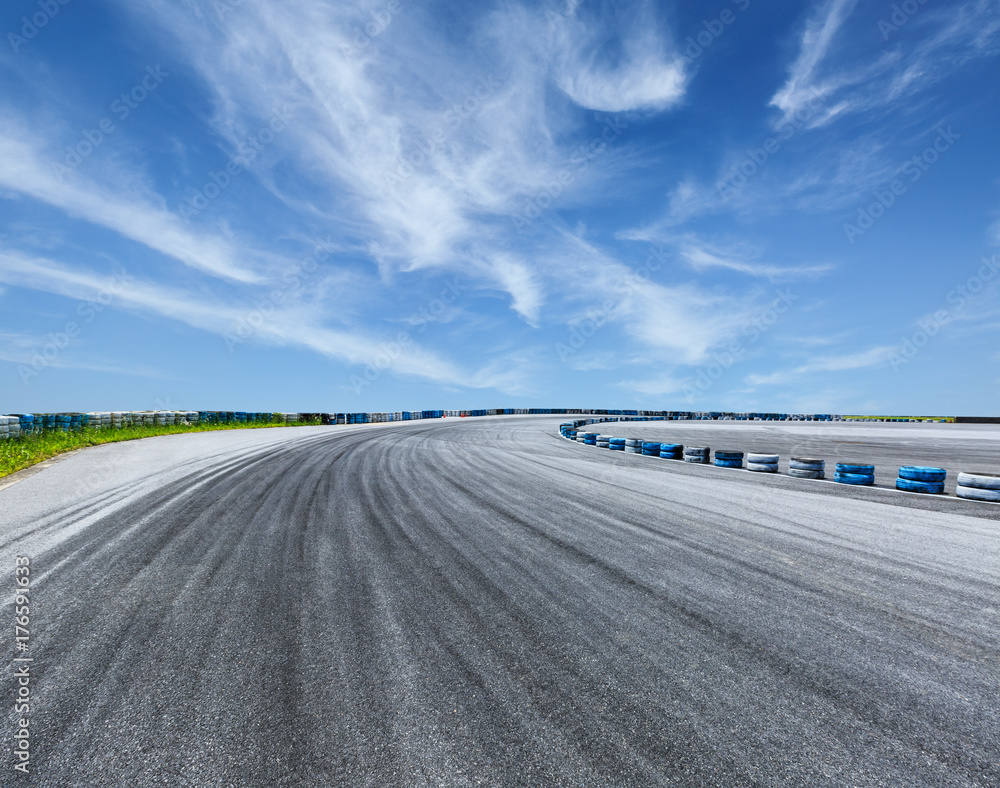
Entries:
{"x":762,"y":463}
{"x":915,"y":478}
{"x":671,"y":451}
{"x":912,"y":478}
{"x":33,"y":423}
{"x":807,"y":468}
{"x":807,"y":464}
{"x":980,"y":480}
{"x":728,"y":458}
{"x":979,"y":486}
{"x":590,"y":438}
{"x":917,"y":473}
{"x":697,"y":454}
{"x":850,"y":473}
{"x":7,"y":426}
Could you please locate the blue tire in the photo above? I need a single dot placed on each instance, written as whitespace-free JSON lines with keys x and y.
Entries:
{"x":729,"y":455}
{"x":617,"y":447}
{"x":916,"y":473}
{"x":862,"y":470}
{"x":934,"y":488}
{"x":854,"y":478}
{"x":728,"y":463}
{"x":671,"y":448}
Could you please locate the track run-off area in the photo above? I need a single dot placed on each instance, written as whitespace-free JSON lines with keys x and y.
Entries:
{"x":482,"y":602}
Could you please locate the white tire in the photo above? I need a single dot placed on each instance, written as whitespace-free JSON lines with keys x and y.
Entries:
{"x":763,"y":467}
{"x":762,"y":459}
{"x":803,"y":473}
{"x":982,"y":481}
{"x":978,"y":494}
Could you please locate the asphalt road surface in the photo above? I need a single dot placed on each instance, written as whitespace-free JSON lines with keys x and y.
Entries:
{"x":481,"y":602}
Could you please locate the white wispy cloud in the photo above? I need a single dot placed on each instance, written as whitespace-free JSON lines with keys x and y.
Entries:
{"x":646,"y":75}
{"x":419,"y":150}
{"x":291,"y":327}
{"x":858,"y":81}
{"x":872,"y":357}
{"x":123,"y":206}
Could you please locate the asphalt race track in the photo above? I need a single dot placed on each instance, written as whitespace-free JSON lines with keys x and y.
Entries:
{"x":481,"y":602}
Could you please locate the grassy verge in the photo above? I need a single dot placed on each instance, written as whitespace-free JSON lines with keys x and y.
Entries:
{"x":19,"y":453}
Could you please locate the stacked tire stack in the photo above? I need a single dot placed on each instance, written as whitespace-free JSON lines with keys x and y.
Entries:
{"x":26,"y":421}
{"x":807,"y":468}
{"x":633,"y":446}
{"x":616,"y":444}
{"x":979,"y":486}
{"x":650,"y":449}
{"x":915,"y":478}
{"x":590,"y":438}
{"x":698,"y":454}
{"x":671,"y":451}
{"x":581,"y":436}
{"x":5,"y":422}
{"x":852,"y":473}
{"x":728,"y":458}
{"x":603,"y":441}
{"x":762,"y":463}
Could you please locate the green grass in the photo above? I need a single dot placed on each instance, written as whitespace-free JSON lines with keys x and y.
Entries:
{"x":23,"y":452}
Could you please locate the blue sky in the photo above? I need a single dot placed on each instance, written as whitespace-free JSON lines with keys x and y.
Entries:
{"x":392,"y":205}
